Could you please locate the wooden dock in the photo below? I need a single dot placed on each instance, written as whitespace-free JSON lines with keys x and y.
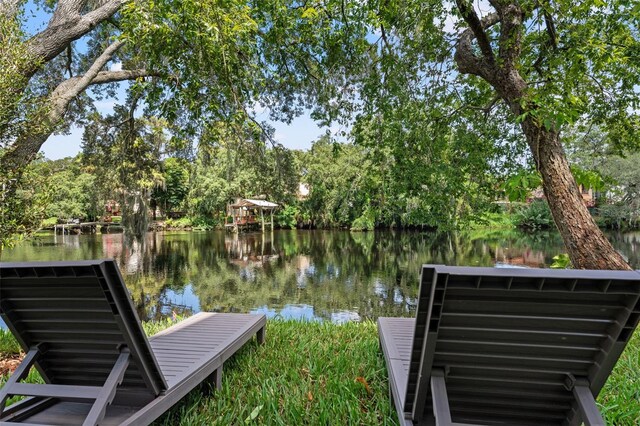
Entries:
{"x":82,"y":227}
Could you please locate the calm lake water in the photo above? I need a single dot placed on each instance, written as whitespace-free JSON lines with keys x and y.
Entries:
{"x":329,"y":275}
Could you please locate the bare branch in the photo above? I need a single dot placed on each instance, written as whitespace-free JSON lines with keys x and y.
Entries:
{"x":63,"y":29}
{"x":72,"y":87}
{"x":115,"y":76}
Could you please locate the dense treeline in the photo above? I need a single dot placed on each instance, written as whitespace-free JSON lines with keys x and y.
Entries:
{"x":349,"y":185}
{"x":137,"y":163}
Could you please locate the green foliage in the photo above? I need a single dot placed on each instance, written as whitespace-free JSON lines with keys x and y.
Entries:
{"x":616,"y":175}
{"x":561,"y":261}
{"x":14,"y":55}
{"x":182,"y":223}
{"x":171,"y":194}
{"x":618,"y":400}
{"x":49,"y":222}
{"x":239,"y":166}
{"x":287,"y":217}
{"x":340,"y":181}
{"x":519,"y":186}
{"x":8,"y":344}
{"x":75,"y":192}
{"x":621,"y":215}
{"x":494,"y":220}
{"x":125,"y":152}
{"x":204,"y":223}
{"x":589,"y":179}
{"x":535,"y":216}
{"x":366,"y":222}
{"x":23,"y":203}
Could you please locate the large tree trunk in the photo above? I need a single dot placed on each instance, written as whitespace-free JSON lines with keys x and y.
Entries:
{"x":587,"y":246}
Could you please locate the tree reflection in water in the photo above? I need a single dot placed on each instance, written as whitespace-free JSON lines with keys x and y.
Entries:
{"x":329,"y":275}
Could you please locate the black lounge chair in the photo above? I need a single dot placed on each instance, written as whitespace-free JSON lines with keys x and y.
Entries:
{"x":495,"y":346}
{"x":78,"y":327}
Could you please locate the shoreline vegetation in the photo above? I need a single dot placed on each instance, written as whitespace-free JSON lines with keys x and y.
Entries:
{"x":325,"y":373}
{"x":528,"y":218}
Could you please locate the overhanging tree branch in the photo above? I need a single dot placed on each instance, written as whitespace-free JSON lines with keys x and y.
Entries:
{"x":72,"y":87}
{"x":66,"y":8}
{"x":65,"y":26}
{"x":114,"y":76}
{"x":30,"y":141}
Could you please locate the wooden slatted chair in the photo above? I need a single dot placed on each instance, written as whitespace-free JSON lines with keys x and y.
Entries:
{"x":492,"y":346}
{"x":79,"y":329}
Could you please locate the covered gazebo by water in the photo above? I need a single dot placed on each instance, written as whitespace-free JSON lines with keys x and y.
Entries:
{"x":248,"y":213}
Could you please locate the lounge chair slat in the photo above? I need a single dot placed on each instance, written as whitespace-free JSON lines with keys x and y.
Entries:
{"x":57,"y":391}
{"x":82,"y":316}
{"x":510,"y":343}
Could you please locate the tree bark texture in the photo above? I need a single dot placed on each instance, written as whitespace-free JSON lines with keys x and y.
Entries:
{"x":9,"y":8}
{"x":586,"y":245}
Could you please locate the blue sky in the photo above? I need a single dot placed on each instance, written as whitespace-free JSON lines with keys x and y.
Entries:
{"x":298,"y":135}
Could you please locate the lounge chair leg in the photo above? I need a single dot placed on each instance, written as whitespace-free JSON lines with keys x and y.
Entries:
{"x":441,"y":409}
{"x":260,"y":336}
{"x":20,"y":373}
{"x":586,"y":404}
{"x":217,"y":378}
{"x":108,"y":391}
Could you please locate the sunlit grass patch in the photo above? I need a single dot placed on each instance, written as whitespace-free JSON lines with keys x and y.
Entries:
{"x":8,"y":344}
{"x":322,"y":373}
{"x":306,"y":373}
{"x":619,"y":400}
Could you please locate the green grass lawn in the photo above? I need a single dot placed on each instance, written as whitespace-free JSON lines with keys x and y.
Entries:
{"x":322,"y":373}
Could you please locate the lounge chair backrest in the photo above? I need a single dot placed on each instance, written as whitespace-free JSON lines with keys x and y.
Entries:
{"x":512,"y":344}
{"x":80,"y":317}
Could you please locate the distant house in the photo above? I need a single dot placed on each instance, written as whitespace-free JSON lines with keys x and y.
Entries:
{"x":588,"y":195}
{"x":111,"y":208}
{"x":303,"y":191}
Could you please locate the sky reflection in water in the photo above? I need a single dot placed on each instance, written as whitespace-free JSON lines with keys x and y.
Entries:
{"x":336,"y":276}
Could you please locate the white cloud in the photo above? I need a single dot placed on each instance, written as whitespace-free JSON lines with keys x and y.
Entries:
{"x":258,"y":108}
{"x":105,"y":106}
{"x":117,"y":66}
